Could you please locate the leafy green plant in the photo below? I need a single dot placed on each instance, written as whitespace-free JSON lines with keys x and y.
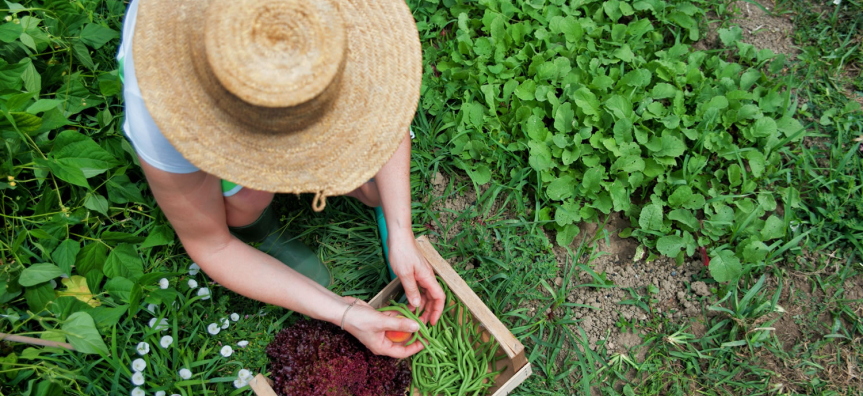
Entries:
{"x":613,"y":118}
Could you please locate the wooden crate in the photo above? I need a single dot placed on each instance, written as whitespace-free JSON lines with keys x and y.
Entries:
{"x":517,"y":366}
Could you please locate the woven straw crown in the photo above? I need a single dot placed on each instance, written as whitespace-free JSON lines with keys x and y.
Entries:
{"x":284,"y":96}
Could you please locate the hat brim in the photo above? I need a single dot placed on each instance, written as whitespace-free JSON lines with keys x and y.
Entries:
{"x":377,"y":99}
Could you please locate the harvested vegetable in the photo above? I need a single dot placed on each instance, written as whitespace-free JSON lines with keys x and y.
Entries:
{"x":317,"y":358}
{"x":398,"y":336}
{"x":455,"y":360}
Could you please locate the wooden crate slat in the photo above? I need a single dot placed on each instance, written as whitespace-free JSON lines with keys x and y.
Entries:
{"x":513,"y":348}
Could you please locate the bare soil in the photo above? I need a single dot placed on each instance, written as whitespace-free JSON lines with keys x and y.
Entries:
{"x":760,"y":29}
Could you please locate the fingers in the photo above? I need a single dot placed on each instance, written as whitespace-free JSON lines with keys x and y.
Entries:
{"x":411,"y":290}
{"x":401,"y":352}
{"x":390,"y":323}
{"x":434,"y":294}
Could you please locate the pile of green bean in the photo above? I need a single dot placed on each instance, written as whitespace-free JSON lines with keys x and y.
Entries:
{"x":454,"y":361}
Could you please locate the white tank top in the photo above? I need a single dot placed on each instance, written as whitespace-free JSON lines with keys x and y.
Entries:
{"x":139,"y":126}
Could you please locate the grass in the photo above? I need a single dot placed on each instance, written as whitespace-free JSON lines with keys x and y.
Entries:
{"x":789,"y":326}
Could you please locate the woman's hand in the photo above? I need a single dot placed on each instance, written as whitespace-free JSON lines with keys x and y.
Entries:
{"x":417,"y":277}
{"x":368,"y":326}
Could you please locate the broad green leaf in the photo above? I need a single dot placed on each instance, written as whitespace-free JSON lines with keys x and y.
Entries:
{"x":38,"y":296}
{"x":91,"y":257}
{"x":121,"y":190}
{"x":560,"y":188}
{"x":481,"y":174}
{"x":663,"y":91}
{"x":10,"y":76}
{"x":756,"y":163}
{"x":731,"y":35}
{"x":64,"y":255}
{"x":571,"y":29}
{"x":119,"y":288}
{"x":774,"y":228}
{"x":83,"y":54}
{"x":10,"y":32}
{"x":586,"y":101}
{"x":624,"y":53}
{"x":567,"y":213}
{"x":96,"y":36}
{"x":32,"y":79}
{"x":69,"y":173}
{"x":620,"y":107}
{"x":592,"y":179}
{"x":526,"y":90}
{"x":681,"y":195}
{"x":685,"y":217}
{"x":535,"y":129}
{"x":734,"y":175}
{"x":619,"y":196}
{"x":764,"y":127}
{"x":124,"y":262}
{"x":670,"y":245}
{"x":755,"y":251}
{"x":724,"y":266}
{"x":566,"y":234}
{"x":107,"y":317}
{"x":564,"y":117}
{"x":73,"y":149}
{"x":612,"y":9}
{"x":651,"y":217}
{"x":113,"y":237}
{"x":25,"y":122}
{"x":540,"y":156}
{"x":629,"y":164}
{"x":42,"y":105}
{"x":81,"y":332}
{"x":671,"y":146}
{"x":38,"y":273}
{"x":96,"y":202}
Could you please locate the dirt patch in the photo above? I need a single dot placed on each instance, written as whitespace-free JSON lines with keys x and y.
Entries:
{"x":760,"y":29}
{"x":449,"y":208}
{"x":612,"y":316}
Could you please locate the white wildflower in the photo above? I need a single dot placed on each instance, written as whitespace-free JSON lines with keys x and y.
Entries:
{"x":204,"y":293}
{"x":185,"y":373}
{"x":225,"y":323}
{"x":243,"y":344}
{"x":226,"y":351}
{"x":245,"y":375}
{"x":160,"y":393}
{"x":152,"y":307}
{"x":193,"y":283}
{"x":213,"y":329}
{"x":139,"y":364}
{"x":837,"y":2}
{"x":166,"y":341}
{"x":163,"y":283}
{"x":143,"y":348}
{"x":238,"y":383}
{"x":235,"y":316}
{"x":138,"y":378}
{"x":194,"y":269}
{"x":163,"y":324}
{"x":138,"y":392}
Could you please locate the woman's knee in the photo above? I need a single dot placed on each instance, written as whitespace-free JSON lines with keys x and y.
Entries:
{"x":246,"y":206}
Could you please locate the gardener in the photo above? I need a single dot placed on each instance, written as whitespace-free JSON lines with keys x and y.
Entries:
{"x":287,"y":96}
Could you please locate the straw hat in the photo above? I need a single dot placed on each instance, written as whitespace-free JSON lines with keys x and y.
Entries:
{"x":287,"y":96}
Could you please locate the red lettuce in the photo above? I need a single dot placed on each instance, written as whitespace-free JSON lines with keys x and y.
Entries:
{"x":317,"y":358}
